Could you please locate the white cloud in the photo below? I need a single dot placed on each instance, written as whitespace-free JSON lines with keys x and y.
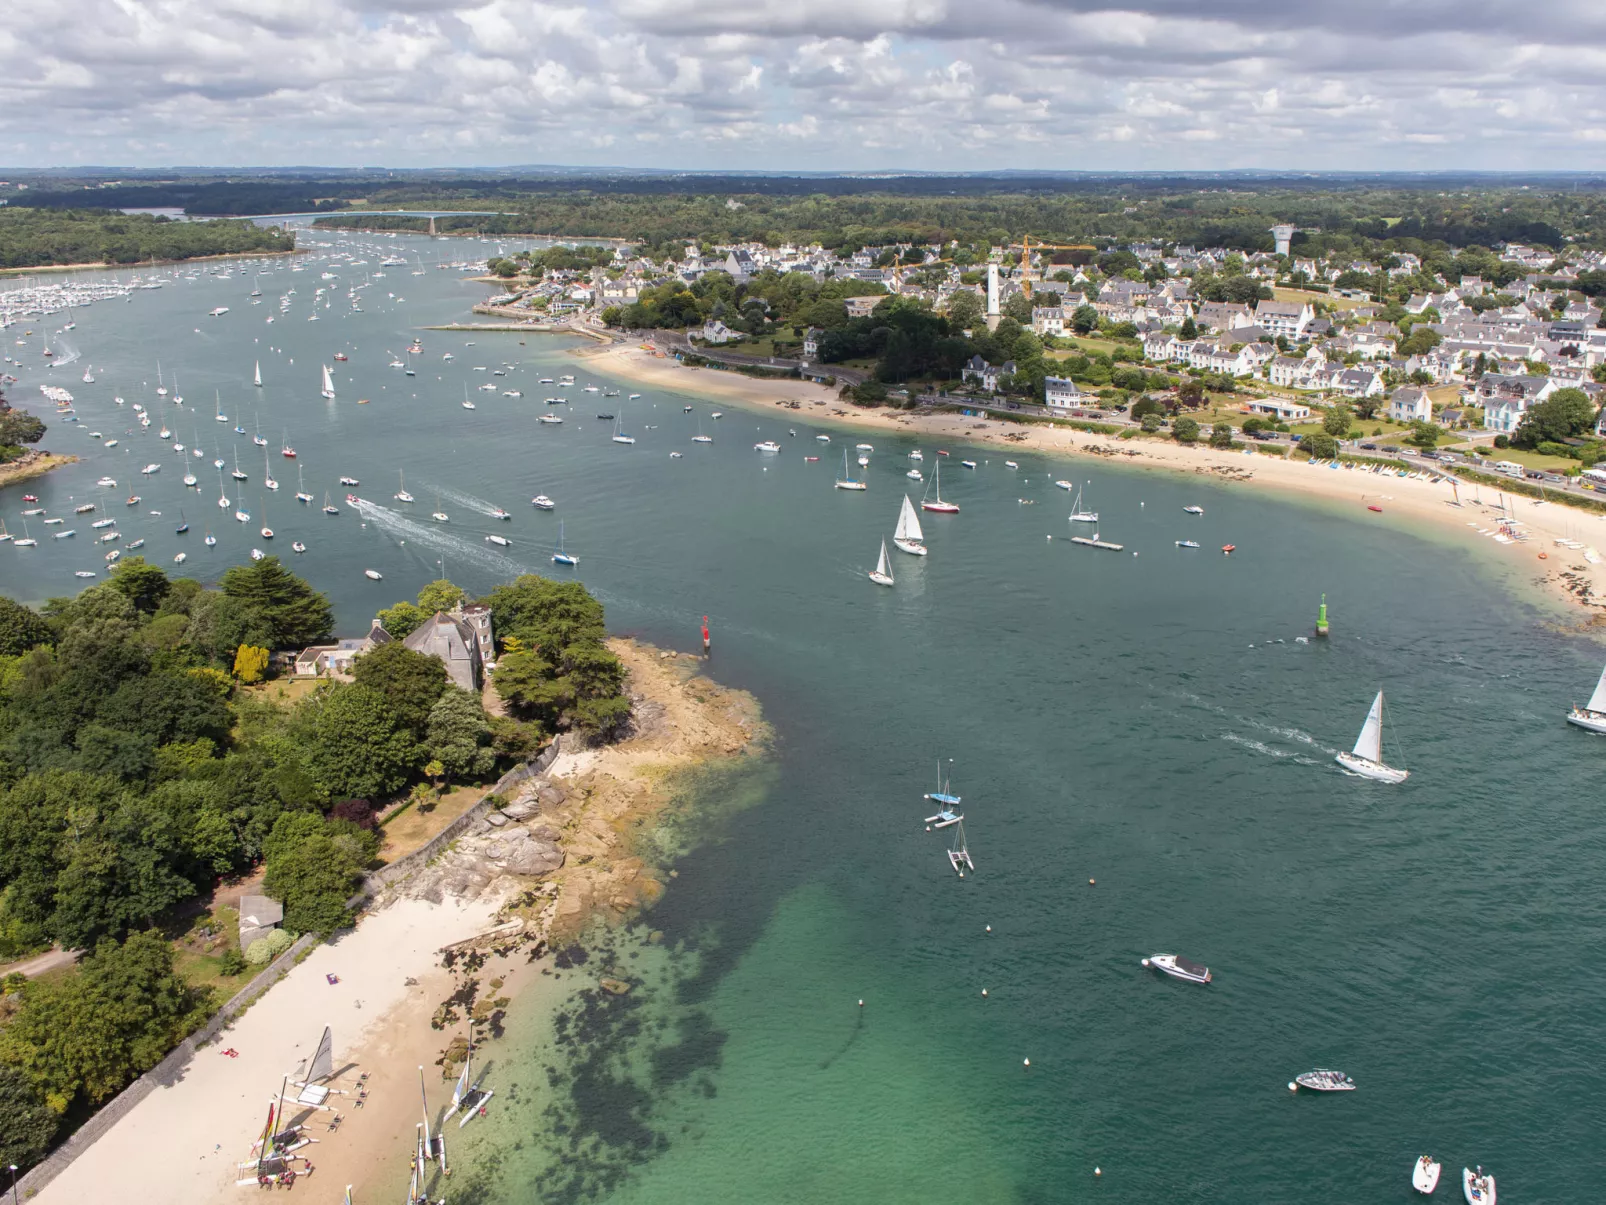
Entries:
{"x":845,"y":84}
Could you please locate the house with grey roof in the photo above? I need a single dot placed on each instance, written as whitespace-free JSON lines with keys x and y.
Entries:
{"x":456,"y":642}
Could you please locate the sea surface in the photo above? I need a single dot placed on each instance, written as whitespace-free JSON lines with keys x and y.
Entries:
{"x":1146,"y":719}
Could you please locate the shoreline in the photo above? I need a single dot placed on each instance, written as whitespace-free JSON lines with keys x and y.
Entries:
{"x":35,"y":464}
{"x":142,"y":264}
{"x":396,"y":1003}
{"x":1416,"y":502}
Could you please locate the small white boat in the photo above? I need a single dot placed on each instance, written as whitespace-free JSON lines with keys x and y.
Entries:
{"x":1323,"y":1080}
{"x":542,"y":502}
{"x":1010,"y":464}
{"x":1078,"y":514}
{"x":864,"y":447}
{"x":257,"y":554}
{"x":1477,"y":1187}
{"x":967,"y":464}
{"x":881,"y":575}
{"x":83,"y":573}
{"x":1425,"y":1175}
{"x":619,"y":437}
{"x":908,"y":536}
{"x":1178,"y":967}
{"x":440,"y":517}
{"x":916,"y":455}
{"x":1193,"y":510}
{"x":298,"y":546}
{"x":551,"y":419}
{"x":768,"y":445}
{"x":211,"y":540}
{"x":1366,"y":759}
{"x":824,"y":439}
{"x":1592,"y":715}
{"x":181,"y":558}
{"x":935,"y":502}
{"x":140,"y":543}
{"x":1187,"y":543}
{"x":110,"y":556}
{"x":499,"y":541}
{"x":374,"y":574}
{"x":915,"y":475}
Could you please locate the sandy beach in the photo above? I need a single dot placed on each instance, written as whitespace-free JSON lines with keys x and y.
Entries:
{"x":1463,"y":513}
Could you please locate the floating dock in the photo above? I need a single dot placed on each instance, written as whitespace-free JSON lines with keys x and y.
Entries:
{"x":1096,"y":543}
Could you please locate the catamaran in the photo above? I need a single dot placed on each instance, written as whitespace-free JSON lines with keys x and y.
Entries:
{"x":560,"y":557}
{"x":846,"y":481}
{"x":328,"y":390}
{"x":1078,"y":514}
{"x":947,"y":803}
{"x":467,"y":1095}
{"x":935,"y":502}
{"x":881,"y":575}
{"x":1592,"y":715}
{"x":908,"y":536}
{"x":1366,"y":759}
{"x":959,"y":851}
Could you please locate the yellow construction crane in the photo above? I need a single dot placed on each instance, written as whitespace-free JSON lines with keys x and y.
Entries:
{"x":1027,"y":243}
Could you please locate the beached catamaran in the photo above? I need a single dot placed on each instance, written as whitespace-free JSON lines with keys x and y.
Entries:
{"x":467,"y":1095}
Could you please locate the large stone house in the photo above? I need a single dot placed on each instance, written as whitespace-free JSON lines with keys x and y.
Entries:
{"x":463,"y":646}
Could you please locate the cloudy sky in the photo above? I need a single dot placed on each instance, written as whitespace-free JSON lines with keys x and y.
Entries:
{"x":806,"y":84}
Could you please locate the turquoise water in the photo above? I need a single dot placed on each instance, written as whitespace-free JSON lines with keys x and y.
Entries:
{"x":1144,"y":721}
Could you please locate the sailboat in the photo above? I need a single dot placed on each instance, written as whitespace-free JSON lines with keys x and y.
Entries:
{"x":846,"y":481}
{"x":161,"y":389}
{"x":468,"y":1097}
{"x":183,"y":523}
{"x":935,"y":502}
{"x":222,"y":498}
{"x":1592,"y":715}
{"x":257,"y":380}
{"x":211,"y":540}
{"x":700,"y":438}
{"x":328,"y":507}
{"x":235,"y":472}
{"x":267,"y":532}
{"x":267,"y":472}
{"x":256,"y":436}
{"x":881,"y":575}
{"x":959,"y":851}
{"x":619,"y":437}
{"x":560,"y":557}
{"x":947,"y":803}
{"x":218,"y":413}
{"x":1078,"y":515}
{"x":328,"y":390}
{"x":27,"y":540}
{"x":467,"y":405}
{"x":402,"y":495}
{"x":439,"y":516}
{"x":908,"y":535}
{"x":301,"y":485}
{"x":1367,"y":757}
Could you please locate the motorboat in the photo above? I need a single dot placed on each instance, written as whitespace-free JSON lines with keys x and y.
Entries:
{"x":967,"y":464}
{"x":498,"y":513}
{"x":373,"y":574}
{"x":1425,"y":1175}
{"x":1366,"y":759}
{"x":1187,"y":543}
{"x":349,"y":481}
{"x":768,"y":445}
{"x":1478,"y":1187}
{"x":1193,"y":510}
{"x":542,"y":502}
{"x":551,"y":419}
{"x":298,"y":546}
{"x":1323,"y":1080}
{"x":499,"y":541}
{"x":1178,"y":967}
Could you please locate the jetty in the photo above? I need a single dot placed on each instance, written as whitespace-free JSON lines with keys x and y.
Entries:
{"x":1095,"y":542}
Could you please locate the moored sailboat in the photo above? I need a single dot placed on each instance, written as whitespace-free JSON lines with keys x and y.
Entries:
{"x":561,"y":557}
{"x":908,"y":536}
{"x":847,"y":481}
{"x":1366,"y":759}
{"x":934,"y":489}
{"x":1080,"y":515}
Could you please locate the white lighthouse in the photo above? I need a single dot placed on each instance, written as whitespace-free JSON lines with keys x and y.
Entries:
{"x":992,"y":291}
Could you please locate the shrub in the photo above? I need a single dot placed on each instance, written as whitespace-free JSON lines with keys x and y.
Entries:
{"x":358,"y":811}
{"x":231,"y":962}
{"x":258,"y":954}
{"x":1502,"y":441}
{"x":278,"y":942}
{"x":1185,"y":430}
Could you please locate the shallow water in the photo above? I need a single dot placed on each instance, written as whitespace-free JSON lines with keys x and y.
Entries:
{"x":1146,"y":721}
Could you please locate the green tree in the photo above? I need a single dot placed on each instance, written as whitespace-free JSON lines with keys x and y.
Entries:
{"x":402,"y":620}
{"x":142,"y":583}
{"x":1189,"y":329}
{"x":1425,"y":435}
{"x":355,"y":744}
{"x":1561,"y":416}
{"x":409,"y":682}
{"x":1319,"y":446}
{"x":1221,"y":435}
{"x":1185,"y":430}
{"x":439,"y":595}
{"x":297,"y":615}
{"x":1084,"y":318}
{"x":21,"y":628}
{"x":312,"y":875}
{"x":965,"y":310}
{"x":26,"y":1123}
{"x":459,"y":737}
{"x":20,"y":427}
{"x":83,"y":1037}
{"x":1151,"y":421}
{"x":1337,"y":421}
{"x":1019,"y":307}
{"x":1367,"y":407}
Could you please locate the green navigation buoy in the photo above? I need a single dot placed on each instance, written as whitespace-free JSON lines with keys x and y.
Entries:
{"x":1321,"y":618}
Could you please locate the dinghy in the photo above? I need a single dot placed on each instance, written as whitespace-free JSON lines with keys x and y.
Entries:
{"x":1322,"y":1080}
{"x":1178,"y":967}
{"x":1478,"y":1187}
{"x":1425,"y":1175}
{"x":1366,"y":759}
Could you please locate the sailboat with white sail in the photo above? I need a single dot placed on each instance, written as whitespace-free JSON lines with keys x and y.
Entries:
{"x":619,"y":436}
{"x":301,"y":485}
{"x":402,"y":495}
{"x":1592,"y":715}
{"x":328,"y":390}
{"x":908,"y":536}
{"x":257,"y":379}
{"x":1079,"y":514}
{"x":933,"y":501}
{"x":847,"y":481}
{"x":1366,"y":759}
{"x":881,"y":575}
{"x":560,"y":557}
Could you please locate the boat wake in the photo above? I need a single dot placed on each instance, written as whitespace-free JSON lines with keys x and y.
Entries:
{"x":463,"y":549}
{"x":458,"y":498}
{"x":66,"y":352}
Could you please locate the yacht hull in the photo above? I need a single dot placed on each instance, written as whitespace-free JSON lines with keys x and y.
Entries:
{"x":1589,"y":721}
{"x":1369,"y":769}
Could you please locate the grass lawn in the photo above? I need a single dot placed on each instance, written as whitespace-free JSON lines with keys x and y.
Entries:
{"x":1095,"y":345}
{"x":1531,"y":460}
{"x":284,"y":691}
{"x":1331,"y":299}
{"x":411,"y":827}
{"x":197,"y":952}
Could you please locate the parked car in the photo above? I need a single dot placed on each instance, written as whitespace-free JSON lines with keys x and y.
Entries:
{"x":1369,"y":447}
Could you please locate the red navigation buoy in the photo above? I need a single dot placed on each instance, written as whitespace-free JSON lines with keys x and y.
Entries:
{"x":705,"y":634}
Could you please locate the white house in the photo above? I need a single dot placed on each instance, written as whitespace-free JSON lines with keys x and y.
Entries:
{"x":1284,"y":317}
{"x":1048,"y":320}
{"x":1294,"y":372}
{"x":980,"y":372}
{"x":811,"y":343}
{"x":1059,"y":393}
{"x":715,"y":331}
{"x":1410,"y":405}
{"x":1159,"y":347}
{"x":1278,"y":408}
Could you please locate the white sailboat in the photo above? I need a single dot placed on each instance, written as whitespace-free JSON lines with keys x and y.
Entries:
{"x":1592,"y":715}
{"x":619,"y":437}
{"x":267,"y":472}
{"x":402,"y":495}
{"x":908,"y":535}
{"x":560,"y":557}
{"x":328,"y":390}
{"x":881,"y":575}
{"x":301,"y":485}
{"x":1367,"y":757}
{"x":1078,"y":515}
{"x":257,"y":379}
{"x":846,"y":481}
{"x":935,"y":502}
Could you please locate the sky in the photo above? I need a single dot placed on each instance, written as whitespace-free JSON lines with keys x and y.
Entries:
{"x":817,"y":85}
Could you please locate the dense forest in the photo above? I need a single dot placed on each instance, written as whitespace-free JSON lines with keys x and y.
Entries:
{"x":140,"y":764}
{"x":31,"y":238}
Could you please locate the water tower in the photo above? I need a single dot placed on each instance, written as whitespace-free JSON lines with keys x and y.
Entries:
{"x":1284,"y":235}
{"x":992,"y":290}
